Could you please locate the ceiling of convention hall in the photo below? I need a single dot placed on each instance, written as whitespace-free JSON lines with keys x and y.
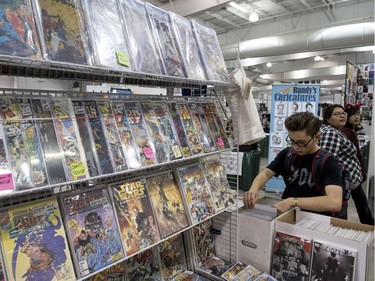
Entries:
{"x":283,"y":44}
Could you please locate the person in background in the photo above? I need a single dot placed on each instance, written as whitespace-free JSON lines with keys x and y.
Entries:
{"x":300,"y":190}
{"x":358,"y":195}
{"x":334,"y":141}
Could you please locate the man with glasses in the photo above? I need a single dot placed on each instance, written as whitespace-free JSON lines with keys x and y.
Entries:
{"x":301,"y":190}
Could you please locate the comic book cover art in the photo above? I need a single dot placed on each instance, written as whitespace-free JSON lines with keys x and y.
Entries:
{"x":330,"y":262}
{"x":144,"y":266}
{"x":112,"y":135}
{"x":203,"y":242}
{"x":33,"y":145}
{"x":265,"y":277}
{"x":179,"y":129}
{"x":92,"y":230}
{"x":219,"y":125}
{"x":69,"y":139}
{"x":116,"y":272}
{"x":155,"y":133}
{"x":291,"y":257}
{"x":86,"y":138}
{"x":19,"y":35}
{"x":168,"y":204}
{"x":214,"y":268}
{"x":193,"y":137}
{"x":2,"y":271}
{"x":249,"y":273}
{"x":60,"y":28}
{"x":201,"y":126}
{"x":233,"y":271}
{"x":138,"y":127}
{"x":135,"y":216}
{"x":172,"y":257}
{"x":167,"y":129}
{"x":189,"y":276}
{"x":125,"y":135}
{"x":53,"y":156}
{"x":102,"y":150}
{"x":196,"y":192}
{"x":34,"y":243}
{"x":217,"y":178}
{"x":13,"y":131}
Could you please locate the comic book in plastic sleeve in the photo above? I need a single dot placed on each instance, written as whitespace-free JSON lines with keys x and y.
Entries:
{"x":112,"y":135}
{"x":61,"y":31}
{"x":19,"y":33}
{"x":125,"y":135}
{"x":106,"y":34}
{"x":144,"y":266}
{"x":249,"y":273}
{"x":13,"y":131}
{"x":167,"y":202}
{"x":69,"y":139}
{"x":233,"y":271}
{"x":34,"y":243}
{"x":179,"y":129}
{"x":135,"y":216}
{"x":115,"y":272}
{"x":203,"y":242}
{"x":202,"y":127}
{"x":86,"y":138}
{"x":170,"y":52}
{"x":217,"y":178}
{"x":172,"y":257}
{"x":193,"y":137}
{"x":7,"y":184}
{"x":105,"y":165}
{"x":219,"y":124}
{"x":167,"y":129}
{"x":92,"y":230}
{"x":291,"y":256}
{"x":155,"y":133}
{"x":214,"y":268}
{"x":195,"y":190}
{"x":188,"y":275}
{"x":54,"y":158}
{"x":2,"y":269}
{"x":33,"y":144}
{"x":140,"y":134}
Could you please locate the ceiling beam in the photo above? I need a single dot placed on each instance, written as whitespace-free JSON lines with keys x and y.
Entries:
{"x":187,"y":8}
{"x":221,"y":18}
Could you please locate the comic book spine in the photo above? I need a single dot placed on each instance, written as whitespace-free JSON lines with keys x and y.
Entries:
{"x":190,"y":131}
{"x":167,"y":129}
{"x":42,"y":112}
{"x":86,"y":137}
{"x":92,"y":113}
{"x":19,"y":159}
{"x":69,"y":139}
{"x":179,"y":129}
{"x":112,"y":135}
{"x":125,"y":135}
{"x":154,"y":131}
{"x":140,"y":135}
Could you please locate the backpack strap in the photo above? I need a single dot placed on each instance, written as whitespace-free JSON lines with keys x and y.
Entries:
{"x":318,"y":165}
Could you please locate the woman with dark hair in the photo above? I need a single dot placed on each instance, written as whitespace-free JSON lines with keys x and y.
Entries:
{"x":358,"y":195}
{"x":334,"y":141}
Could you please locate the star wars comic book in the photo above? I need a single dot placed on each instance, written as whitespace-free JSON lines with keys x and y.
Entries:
{"x":144,"y":266}
{"x":214,"y":268}
{"x":135,"y":216}
{"x":166,"y":126}
{"x":13,"y":130}
{"x":112,"y":135}
{"x":125,"y":135}
{"x":216,"y":176}
{"x":69,"y":139}
{"x":195,"y":190}
{"x":179,"y":129}
{"x":201,"y":126}
{"x":170,"y":52}
{"x":233,"y":271}
{"x":105,"y":165}
{"x":19,"y":35}
{"x":116,"y":272}
{"x":191,"y":132}
{"x":158,"y":140}
{"x":86,"y":138}
{"x":145,"y":147}
{"x":203,"y":242}
{"x":54,"y":159}
{"x":34,"y":243}
{"x":61,"y":31}
{"x":172,"y":257}
{"x":92,"y":230}
{"x":167,"y":202}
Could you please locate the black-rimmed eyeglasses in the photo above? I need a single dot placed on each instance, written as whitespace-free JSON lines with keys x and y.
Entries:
{"x":300,"y":144}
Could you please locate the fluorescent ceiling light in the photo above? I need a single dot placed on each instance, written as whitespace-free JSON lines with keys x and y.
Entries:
{"x":269,"y":64}
{"x":253,"y":17}
{"x":238,"y":7}
{"x":319,"y":58}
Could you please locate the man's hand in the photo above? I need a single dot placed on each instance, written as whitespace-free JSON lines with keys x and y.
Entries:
{"x":250,"y":198}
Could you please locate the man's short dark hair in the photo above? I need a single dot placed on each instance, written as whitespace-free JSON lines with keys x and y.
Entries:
{"x":303,"y":121}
